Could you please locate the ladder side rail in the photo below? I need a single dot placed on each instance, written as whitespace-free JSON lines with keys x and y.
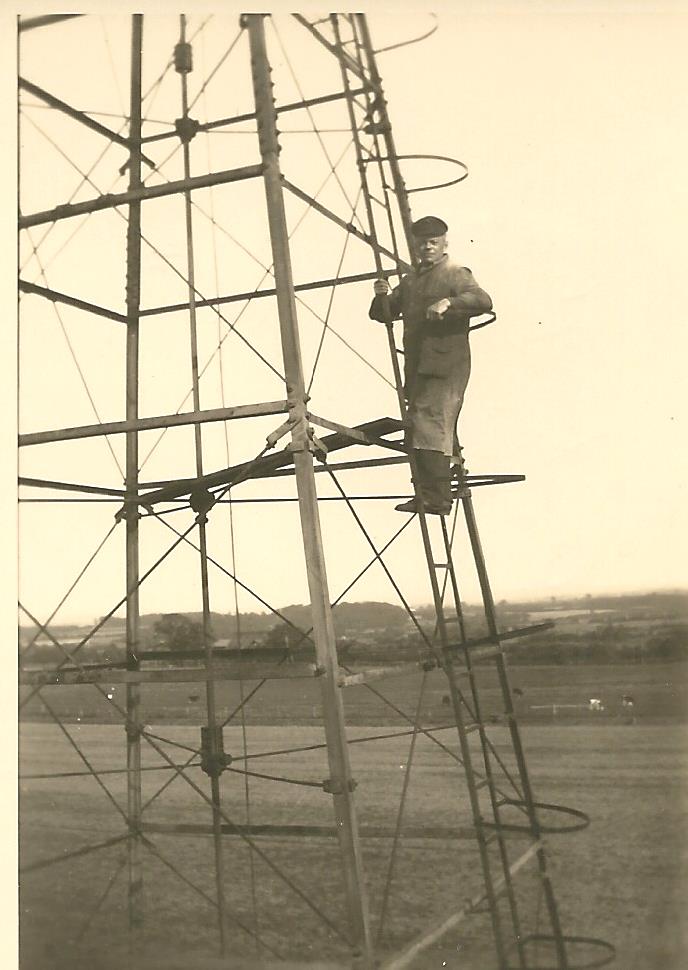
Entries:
{"x":375,"y":102}
{"x":491,"y":617}
{"x":397,"y":179}
{"x":389,"y":323}
{"x":487,"y":761}
{"x":441,"y":627}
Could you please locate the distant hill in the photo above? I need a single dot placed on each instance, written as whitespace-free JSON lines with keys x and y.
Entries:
{"x":670,"y":603}
{"x":352,"y":619}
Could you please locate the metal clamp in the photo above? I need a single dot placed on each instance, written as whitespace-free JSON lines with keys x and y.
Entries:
{"x":214,"y":759}
{"x":280,"y":432}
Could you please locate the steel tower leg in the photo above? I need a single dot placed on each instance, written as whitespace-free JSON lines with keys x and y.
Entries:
{"x":340,"y":782}
{"x":133,"y":295}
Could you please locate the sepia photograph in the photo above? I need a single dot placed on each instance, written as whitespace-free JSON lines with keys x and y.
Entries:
{"x":362,"y":335}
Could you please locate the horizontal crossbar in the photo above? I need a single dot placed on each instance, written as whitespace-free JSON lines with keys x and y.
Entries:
{"x":250,"y":670}
{"x":70,"y":487}
{"x":258,"y":294}
{"x":313,"y":831}
{"x":251,"y":115}
{"x":45,"y":20}
{"x":479,"y":648}
{"x":148,"y":424}
{"x":111,"y":201}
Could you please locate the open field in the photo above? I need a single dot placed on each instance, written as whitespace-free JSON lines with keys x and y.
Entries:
{"x":623,"y":879}
{"x":660,"y":692}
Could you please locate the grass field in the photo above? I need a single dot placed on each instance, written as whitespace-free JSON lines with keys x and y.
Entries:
{"x":660,"y":692}
{"x":623,"y":879}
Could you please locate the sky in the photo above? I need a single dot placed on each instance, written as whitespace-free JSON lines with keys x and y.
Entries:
{"x":571,"y":118}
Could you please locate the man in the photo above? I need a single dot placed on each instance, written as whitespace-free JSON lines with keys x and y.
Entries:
{"x":436,"y":301}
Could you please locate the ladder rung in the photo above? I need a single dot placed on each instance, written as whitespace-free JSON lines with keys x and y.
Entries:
{"x":482,"y":784}
{"x":471,"y":728}
{"x":441,"y":565}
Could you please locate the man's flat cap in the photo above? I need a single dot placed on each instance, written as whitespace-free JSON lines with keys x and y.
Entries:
{"x":429,"y":226}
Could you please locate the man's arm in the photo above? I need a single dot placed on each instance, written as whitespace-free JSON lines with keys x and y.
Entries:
{"x":467,"y":299}
{"x":471,"y":300}
{"x":377,"y":307}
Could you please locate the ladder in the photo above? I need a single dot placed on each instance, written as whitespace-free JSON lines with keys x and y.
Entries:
{"x":484,"y":771}
{"x":349,"y":40}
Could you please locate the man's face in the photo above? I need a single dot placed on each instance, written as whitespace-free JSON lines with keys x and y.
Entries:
{"x":431,"y":249}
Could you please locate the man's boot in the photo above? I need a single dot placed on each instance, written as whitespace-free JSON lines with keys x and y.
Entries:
{"x":412,"y":504}
{"x":433,"y":482}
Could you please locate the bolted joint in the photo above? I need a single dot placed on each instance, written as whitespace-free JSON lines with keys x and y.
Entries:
{"x":129,"y":510}
{"x":300,"y":429}
{"x":201,"y":501}
{"x":186,"y":128}
{"x":133,"y":731}
{"x":316,"y":446}
{"x":376,"y":128}
{"x":334,"y":786}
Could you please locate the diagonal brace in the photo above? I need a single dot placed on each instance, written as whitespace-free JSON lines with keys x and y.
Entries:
{"x":80,"y":116}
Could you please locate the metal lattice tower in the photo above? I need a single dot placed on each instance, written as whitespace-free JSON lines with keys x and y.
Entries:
{"x":362,"y":201}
